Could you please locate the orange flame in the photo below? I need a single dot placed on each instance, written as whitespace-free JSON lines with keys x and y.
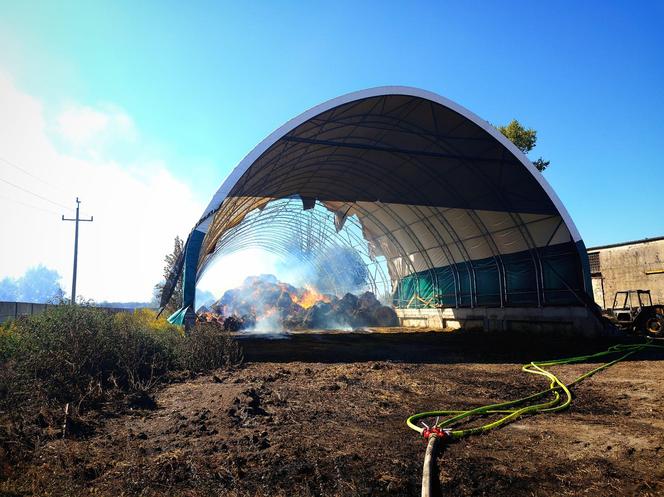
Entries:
{"x":309,"y":297}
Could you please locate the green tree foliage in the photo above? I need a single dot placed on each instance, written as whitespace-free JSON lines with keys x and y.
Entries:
{"x":171,"y":260}
{"x":525,"y":139}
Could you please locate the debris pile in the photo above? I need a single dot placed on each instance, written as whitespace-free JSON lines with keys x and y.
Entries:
{"x":265,"y":301}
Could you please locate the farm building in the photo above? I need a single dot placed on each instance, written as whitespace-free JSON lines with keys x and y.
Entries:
{"x":635,"y":265}
{"x":468,"y":232}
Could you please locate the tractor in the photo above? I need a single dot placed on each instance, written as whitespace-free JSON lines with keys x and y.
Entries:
{"x":634,"y":312}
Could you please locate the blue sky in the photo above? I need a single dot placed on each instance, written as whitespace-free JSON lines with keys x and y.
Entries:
{"x":201,"y":83}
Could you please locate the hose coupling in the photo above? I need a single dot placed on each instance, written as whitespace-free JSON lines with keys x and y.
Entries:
{"x":435,"y":431}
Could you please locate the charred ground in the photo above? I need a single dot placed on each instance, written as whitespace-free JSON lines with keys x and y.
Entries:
{"x":324,"y":415}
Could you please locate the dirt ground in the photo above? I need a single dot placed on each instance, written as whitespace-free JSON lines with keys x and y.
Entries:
{"x":324,"y":415}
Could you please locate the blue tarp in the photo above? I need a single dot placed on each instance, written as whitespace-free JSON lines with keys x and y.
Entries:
{"x":191,"y":251}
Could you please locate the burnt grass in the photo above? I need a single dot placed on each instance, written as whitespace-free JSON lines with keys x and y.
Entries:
{"x":319,"y":415}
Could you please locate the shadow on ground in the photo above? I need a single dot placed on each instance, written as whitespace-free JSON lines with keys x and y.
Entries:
{"x":425,"y":347}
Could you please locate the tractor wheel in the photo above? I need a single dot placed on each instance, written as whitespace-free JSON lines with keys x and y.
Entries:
{"x":654,"y":326}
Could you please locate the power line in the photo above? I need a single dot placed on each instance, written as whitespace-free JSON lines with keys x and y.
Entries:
{"x":29,"y":205}
{"x":35,"y":194}
{"x":25,"y":171}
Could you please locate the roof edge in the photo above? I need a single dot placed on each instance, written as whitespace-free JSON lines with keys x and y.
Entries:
{"x":291,"y":124}
{"x":622,"y":244}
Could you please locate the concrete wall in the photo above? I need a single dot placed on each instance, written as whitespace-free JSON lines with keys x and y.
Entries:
{"x":12,"y":310}
{"x":630,"y":266}
{"x":562,"y":320}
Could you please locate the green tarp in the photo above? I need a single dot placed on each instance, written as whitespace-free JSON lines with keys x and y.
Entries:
{"x":453,"y":286}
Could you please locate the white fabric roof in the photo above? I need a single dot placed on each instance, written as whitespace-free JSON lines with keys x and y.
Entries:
{"x":431,"y":183}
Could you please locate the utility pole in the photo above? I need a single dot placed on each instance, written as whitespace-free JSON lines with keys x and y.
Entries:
{"x":78,"y":219}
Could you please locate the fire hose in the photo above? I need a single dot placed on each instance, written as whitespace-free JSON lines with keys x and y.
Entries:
{"x":447,"y":429}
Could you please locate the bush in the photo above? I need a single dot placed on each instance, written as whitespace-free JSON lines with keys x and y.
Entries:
{"x":147,"y":349}
{"x":208,"y":346}
{"x":75,"y":353}
{"x":84,"y":357}
{"x":66,"y":351}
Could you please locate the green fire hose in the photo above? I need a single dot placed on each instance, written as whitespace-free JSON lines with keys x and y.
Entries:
{"x":559,"y":393}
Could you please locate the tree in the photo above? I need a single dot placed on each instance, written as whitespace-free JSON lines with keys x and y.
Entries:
{"x":171,"y":260}
{"x":8,"y":289}
{"x":525,"y":140}
{"x":38,"y":285}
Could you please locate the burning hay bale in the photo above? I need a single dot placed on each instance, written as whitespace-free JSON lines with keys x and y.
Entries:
{"x":234,"y":323}
{"x":350,"y":311}
{"x":265,"y":302}
{"x":207,"y":316}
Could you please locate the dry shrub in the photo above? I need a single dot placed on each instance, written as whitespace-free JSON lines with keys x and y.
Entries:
{"x":208,"y":346}
{"x":75,"y":353}
{"x":148,"y":349}
{"x":86,"y":358}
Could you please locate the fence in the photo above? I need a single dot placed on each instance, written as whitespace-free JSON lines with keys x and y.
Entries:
{"x":12,"y":310}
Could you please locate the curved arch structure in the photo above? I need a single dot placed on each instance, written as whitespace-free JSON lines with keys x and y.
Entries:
{"x":461,"y":216}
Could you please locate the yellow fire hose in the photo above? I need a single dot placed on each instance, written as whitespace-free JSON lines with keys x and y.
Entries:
{"x":561,"y":397}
